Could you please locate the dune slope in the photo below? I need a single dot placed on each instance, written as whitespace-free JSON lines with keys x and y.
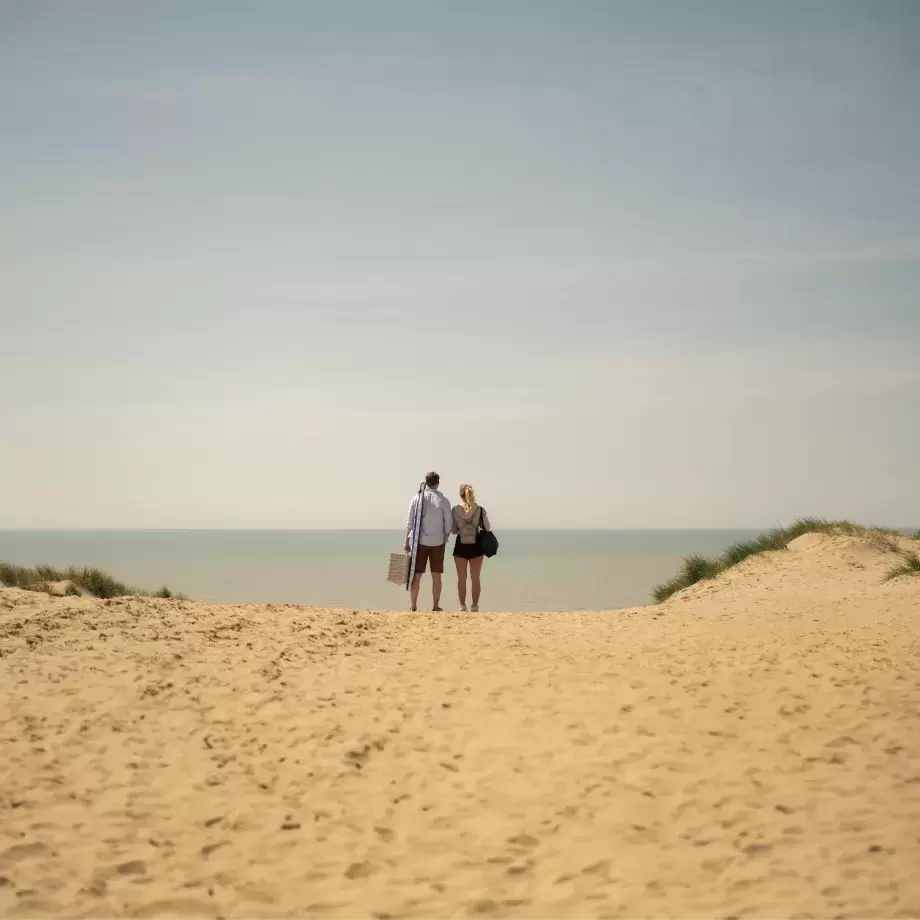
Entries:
{"x":750,"y":748}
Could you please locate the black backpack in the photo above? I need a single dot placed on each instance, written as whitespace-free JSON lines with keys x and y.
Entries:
{"x":487,"y":540}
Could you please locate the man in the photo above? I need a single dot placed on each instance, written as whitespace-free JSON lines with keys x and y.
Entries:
{"x":436,"y":526}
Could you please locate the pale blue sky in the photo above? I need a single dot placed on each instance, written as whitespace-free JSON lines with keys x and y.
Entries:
{"x":636,"y":264}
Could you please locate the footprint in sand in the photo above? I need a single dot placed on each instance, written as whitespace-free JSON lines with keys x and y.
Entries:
{"x":359,"y":870}
{"x":179,"y":907}
{"x":524,"y":840}
{"x":25,"y":851}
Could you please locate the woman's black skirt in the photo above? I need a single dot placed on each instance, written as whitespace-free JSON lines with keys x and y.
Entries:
{"x":467,"y":550}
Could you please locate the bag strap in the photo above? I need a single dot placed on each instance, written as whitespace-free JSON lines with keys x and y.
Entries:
{"x":480,"y":525}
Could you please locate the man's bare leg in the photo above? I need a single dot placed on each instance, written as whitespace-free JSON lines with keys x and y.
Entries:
{"x":413,"y":591}
{"x":436,"y":589}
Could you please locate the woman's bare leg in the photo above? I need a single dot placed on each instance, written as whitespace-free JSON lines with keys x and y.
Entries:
{"x":461,"y":579}
{"x":475,"y":570}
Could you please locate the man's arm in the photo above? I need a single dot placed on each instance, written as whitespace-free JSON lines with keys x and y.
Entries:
{"x":448,"y":521}
{"x":410,"y":520}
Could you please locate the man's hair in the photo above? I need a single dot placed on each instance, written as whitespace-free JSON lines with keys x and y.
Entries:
{"x":432,"y":480}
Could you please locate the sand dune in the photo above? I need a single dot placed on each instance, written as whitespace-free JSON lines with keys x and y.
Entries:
{"x":750,"y":748}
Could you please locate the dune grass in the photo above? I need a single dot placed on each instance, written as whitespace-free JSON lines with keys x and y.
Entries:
{"x":698,"y":568}
{"x":693,"y":569}
{"x":84,"y":580}
{"x":910,"y":566}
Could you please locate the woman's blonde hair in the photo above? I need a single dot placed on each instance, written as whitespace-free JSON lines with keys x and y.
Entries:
{"x":467,"y":496}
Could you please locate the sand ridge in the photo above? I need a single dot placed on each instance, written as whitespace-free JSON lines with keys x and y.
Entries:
{"x":750,"y":748}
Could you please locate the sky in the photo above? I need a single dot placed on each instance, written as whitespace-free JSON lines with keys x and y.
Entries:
{"x":618,"y":264}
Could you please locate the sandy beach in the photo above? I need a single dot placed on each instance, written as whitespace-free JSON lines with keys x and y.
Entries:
{"x":751,"y":748}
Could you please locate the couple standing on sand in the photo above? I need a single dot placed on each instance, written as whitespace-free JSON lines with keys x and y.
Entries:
{"x":435,"y":521}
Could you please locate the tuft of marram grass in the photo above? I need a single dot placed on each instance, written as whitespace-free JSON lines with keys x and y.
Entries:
{"x":18,"y":576}
{"x":738,"y":552}
{"x":697,"y":568}
{"x":910,"y":566}
{"x":89,"y":580}
{"x":692,"y":570}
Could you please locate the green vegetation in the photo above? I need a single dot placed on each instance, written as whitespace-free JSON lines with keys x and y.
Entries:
{"x":697,"y":568}
{"x":910,"y":566}
{"x":79,"y":581}
{"x":694,"y":569}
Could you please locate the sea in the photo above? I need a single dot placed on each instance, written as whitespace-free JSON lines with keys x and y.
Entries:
{"x":535,"y":570}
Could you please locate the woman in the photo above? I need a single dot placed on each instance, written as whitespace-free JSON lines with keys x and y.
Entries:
{"x":467,"y":552}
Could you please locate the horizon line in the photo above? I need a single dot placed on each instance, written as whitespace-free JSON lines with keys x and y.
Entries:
{"x":381,"y":529}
